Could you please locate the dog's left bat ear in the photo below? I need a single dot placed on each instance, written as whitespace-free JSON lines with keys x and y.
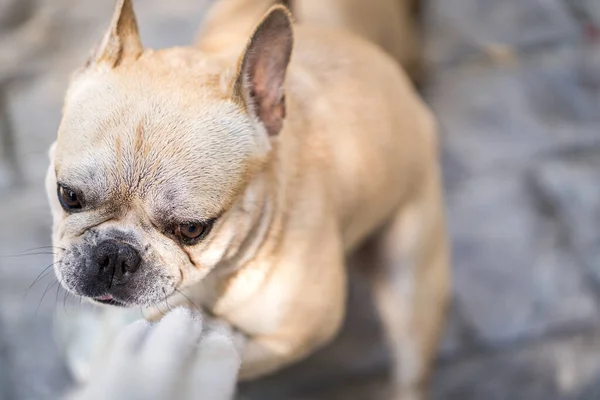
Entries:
{"x":261,"y":70}
{"x":122,"y":40}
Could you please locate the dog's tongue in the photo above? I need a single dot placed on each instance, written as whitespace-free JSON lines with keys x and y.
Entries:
{"x":106,"y":297}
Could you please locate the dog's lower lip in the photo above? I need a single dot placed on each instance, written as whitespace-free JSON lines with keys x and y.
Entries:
{"x":106,"y":297}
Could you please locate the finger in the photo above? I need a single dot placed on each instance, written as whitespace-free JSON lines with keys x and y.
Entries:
{"x":167,"y":351}
{"x":214,"y":372}
{"x":131,"y":337}
{"x":174,"y":333}
{"x":169,"y":347}
{"x":121,"y":355}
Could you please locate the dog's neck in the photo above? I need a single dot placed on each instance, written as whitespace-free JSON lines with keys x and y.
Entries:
{"x":260,"y":206}
{"x":257,"y":219}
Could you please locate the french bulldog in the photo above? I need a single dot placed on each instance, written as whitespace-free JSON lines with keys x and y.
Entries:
{"x":239,"y":174}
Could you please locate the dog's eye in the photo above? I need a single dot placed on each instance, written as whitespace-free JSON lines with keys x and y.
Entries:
{"x":191,"y":232}
{"x":69,"y":200}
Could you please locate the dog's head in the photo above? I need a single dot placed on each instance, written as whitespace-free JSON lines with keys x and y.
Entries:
{"x":154,"y":152}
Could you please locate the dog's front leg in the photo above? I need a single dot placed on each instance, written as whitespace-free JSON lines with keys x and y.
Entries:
{"x":311,"y":297}
{"x":411,"y":285}
{"x":265,"y":354}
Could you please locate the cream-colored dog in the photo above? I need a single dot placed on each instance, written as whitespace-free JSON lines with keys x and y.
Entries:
{"x":239,"y":174}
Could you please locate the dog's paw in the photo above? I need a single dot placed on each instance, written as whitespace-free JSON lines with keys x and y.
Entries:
{"x":176,"y":358}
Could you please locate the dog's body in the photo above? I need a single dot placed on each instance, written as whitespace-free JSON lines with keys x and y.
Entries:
{"x":156,"y":145}
{"x":391,"y":24}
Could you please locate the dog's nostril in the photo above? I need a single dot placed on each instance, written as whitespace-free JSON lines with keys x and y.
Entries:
{"x":130,"y":259}
{"x":104,"y":262}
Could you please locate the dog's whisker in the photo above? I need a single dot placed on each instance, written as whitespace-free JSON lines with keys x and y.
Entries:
{"x":57,"y":293}
{"x":44,"y":295}
{"x":40,"y":276}
{"x":190,"y":300}
{"x":28,"y":254}
{"x":27,"y":291}
{"x":42,"y":250}
{"x":44,"y":247}
{"x":65,"y":297}
{"x":166,"y":300}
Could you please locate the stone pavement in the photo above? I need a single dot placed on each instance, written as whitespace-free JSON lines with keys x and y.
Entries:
{"x":516,"y":88}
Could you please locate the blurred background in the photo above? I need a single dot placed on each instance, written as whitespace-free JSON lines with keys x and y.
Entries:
{"x":515,"y":85}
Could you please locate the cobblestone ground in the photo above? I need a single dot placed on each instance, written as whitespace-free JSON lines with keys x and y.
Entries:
{"x":516,"y":87}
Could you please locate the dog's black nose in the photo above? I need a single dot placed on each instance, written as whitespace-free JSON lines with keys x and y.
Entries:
{"x":114,"y":258}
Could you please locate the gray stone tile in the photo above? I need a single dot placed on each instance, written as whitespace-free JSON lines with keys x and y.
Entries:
{"x":554,"y":369}
{"x":565,"y":182}
{"x":38,"y":372}
{"x":6,"y":378}
{"x":513,"y":276}
{"x":507,"y":115}
{"x":461,"y":28}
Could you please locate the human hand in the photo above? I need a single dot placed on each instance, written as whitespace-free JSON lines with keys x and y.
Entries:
{"x":176,"y":358}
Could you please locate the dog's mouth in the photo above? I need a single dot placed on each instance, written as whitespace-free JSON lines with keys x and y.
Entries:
{"x":107,"y":299}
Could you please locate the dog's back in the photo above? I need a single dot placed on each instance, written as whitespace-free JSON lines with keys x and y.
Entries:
{"x":228,"y":21}
{"x":391,"y":24}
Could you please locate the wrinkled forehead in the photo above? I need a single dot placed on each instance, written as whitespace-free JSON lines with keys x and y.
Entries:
{"x":164,"y":148}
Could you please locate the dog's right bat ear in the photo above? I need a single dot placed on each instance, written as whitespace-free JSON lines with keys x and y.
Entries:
{"x":261,"y":71}
{"x":122,"y":40}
